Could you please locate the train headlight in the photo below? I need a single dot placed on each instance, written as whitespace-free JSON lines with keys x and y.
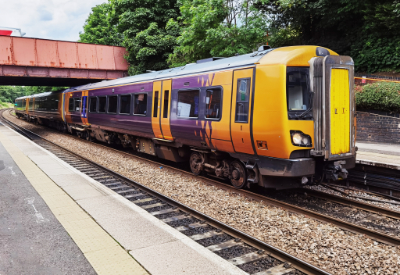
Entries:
{"x":305,"y":141}
{"x":297,"y":138}
{"x":300,"y":139}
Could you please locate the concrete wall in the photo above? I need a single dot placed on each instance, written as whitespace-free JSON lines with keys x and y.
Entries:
{"x":378,"y":127}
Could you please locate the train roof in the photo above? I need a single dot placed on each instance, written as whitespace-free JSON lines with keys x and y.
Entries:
{"x":202,"y":66}
{"x":39,"y":95}
{"x":208,"y":65}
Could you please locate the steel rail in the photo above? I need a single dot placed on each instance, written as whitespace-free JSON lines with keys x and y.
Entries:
{"x":382,"y":237}
{"x":269,"y":249}
{"x":361,"y":205}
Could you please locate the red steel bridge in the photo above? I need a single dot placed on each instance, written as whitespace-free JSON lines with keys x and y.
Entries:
{"x":41,"y":62}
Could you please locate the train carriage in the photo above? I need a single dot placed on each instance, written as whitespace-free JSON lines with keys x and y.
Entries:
{"x":255,"y":118}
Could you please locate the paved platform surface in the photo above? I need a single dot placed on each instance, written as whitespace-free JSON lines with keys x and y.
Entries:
{"x":32,"y":240}
{"x":379,"y":154}
{"x":111,"y":234}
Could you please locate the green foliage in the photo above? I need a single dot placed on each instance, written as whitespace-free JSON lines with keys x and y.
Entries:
{"x":147,"y":38}
{"x":217,"y":28}
{"x":382,"y":96}
{"x":366,"y":30}
{"x":373,"y":54}
{"x":10,"y":93}
{"x":98,"y":28}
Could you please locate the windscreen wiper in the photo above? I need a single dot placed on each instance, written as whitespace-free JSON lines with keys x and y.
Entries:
{"x":309,"y":108}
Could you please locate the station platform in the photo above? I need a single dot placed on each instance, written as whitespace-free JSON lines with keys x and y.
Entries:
{"x":379,"y":154}
{"x":56,"y":220}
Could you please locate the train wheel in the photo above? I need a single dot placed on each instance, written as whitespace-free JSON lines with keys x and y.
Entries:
{"x":88,"y":137}
{"x":238,"y":174}
{"x":196,"y":163}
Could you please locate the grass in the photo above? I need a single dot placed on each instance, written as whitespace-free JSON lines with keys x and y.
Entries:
{"x":5,"y":105}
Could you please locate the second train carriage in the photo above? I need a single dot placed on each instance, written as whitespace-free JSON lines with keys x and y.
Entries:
{"x":255,"y":118}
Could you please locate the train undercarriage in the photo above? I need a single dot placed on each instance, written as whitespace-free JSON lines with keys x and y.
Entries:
{"x":242,"y":171}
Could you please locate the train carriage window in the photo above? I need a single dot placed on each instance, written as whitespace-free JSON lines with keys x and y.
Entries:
{"x":112,"y":104}
{"x":125,"y":104}
{"x":102,"y":104}
{"x":166,"y":104}
{"x":70,"y":104}
{"x":242,"y":100}
{"x":188,"y":104}
{"x":155,"y":104}
{"x":140,"y":104}
{"x":31,"y":104}
{"x":93,"y":105}
{"x":213,"y":103}
{"x":77,"y":104}
{"x":53,"y":104}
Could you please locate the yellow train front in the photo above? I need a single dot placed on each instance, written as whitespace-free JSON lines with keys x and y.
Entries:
{"x":303,"y":116}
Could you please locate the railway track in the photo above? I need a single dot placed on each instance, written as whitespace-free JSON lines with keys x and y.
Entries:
{"x":384,"y":181}
{"x":365,"y":218}
{"x":380,"y":236}
{"x":248,"y":253}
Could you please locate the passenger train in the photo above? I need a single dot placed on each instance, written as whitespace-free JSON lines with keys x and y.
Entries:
{"x":277,"y":118}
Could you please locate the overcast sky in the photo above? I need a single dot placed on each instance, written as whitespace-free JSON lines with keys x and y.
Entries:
{"x":50,"y":19}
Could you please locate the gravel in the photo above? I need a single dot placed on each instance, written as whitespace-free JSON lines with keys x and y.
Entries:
{"x":388,"y":205}
{"x":148,"y":202}
{"x":352,"y":215}
{"x":260,"y":265}
{"x":198,"y":230}
{"x":215,"y":240}
{"x":183,"y":222}
{"x":159,"y":208}
{"x":235,"y":251}
{"x":327,"y":246}
{"x":170,"y":215}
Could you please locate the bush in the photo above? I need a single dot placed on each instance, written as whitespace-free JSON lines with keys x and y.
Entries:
{"x":382,"y":96}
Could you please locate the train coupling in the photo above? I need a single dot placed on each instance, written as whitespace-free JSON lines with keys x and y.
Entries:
{"x":334,"y":171}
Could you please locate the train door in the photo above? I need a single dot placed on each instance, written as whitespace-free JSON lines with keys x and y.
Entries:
{"x":165,"y":109}
{"x":241,"y":109}
{"x":155,"y":114}
{"x":160,"y":115}
{"x":84,"y":106}
{"x":27,"y":105}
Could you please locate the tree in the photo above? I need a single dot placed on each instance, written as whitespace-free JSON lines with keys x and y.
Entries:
{"x":217,"y":28}
{"x":147,"y":38}
{"x":366,"y":30}
{"x":98,"y":28}
{"x":10,"y":93}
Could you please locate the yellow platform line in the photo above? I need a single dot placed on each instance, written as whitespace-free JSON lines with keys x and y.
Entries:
{"x":104,"y":254}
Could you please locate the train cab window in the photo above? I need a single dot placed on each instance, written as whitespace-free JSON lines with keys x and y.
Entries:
{"x":297,"y":90}
{"x":125,"y":104}
{"x":140,"y":104}
{"x":242,"y":100}
{"x":188,"y":104}
{"x":77,"y":104}
{"x":70,"y":104}
{"x":213,"y":103}
{"x":112,"y":104}
{"x":102,"y":104}
{"x":93,"y":105}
